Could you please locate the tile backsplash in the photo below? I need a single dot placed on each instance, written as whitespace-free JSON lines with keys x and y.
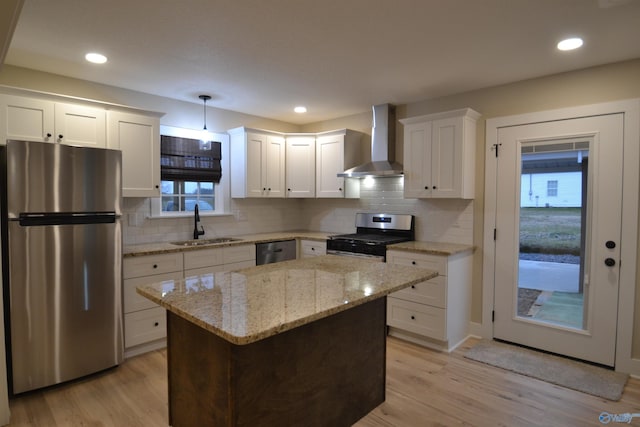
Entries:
{"x":444,"y":220}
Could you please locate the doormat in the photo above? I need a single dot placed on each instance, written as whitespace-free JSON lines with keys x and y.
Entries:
{"x":557,"y":370}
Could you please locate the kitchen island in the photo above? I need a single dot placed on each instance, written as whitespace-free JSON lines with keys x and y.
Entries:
{"x":294,"y":343}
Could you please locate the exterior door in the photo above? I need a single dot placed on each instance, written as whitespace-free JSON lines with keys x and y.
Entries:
{"x":537,"y":228}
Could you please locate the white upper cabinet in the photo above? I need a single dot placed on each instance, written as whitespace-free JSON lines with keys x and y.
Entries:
{"x":439,"y":155}
{"x":335,"y":152}
{"x":257,"y":163}
{"x":32,"y":119}
{"x":301,"y":166}
{"x":79,"y":125}
{"x":138,"y":137}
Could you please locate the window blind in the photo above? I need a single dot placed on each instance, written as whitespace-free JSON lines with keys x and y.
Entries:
{"x":190,"y":159}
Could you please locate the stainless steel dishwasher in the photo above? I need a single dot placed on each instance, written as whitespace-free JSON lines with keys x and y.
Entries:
{"x":269,"y":252}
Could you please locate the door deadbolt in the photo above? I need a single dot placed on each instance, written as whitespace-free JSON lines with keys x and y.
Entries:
{"x":610,"y":244}
{"x":609,"y":262}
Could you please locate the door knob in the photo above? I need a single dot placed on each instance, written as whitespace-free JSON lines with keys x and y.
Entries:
{"x":610,"y":244}
{"x":609,"y":262}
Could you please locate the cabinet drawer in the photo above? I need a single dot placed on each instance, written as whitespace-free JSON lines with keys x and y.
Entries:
{"x":151,"y":265}
{"x":432,"y":262}
{"x":432,"y":292}
{"x":144,"y":326}
{"x":219,"y":268}
{"x":134,"y":301}
{"x":417,"y":318}
{"x":203,"y":258}
{"x":239,"y":253}
{"x":312,"y":248}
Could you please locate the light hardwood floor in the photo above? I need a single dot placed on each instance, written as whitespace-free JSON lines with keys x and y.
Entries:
{"x":424,"y":388}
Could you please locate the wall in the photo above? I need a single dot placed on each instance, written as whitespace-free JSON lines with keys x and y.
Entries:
{"x":177,"y":113}
{"x":588,"y":86}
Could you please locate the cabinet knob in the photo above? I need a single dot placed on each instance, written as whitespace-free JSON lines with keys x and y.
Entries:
{"x":269,"y":189}
{"x":288,"y":189}
{"x":426,"y":187}
{"x":264,"y":188}
{"x":413,"y":317}
{"x":413,"y":262}
{"x":339,"y":189}
{"x":434,"y":187}
{"x":48,"y":135}
{"x":156,"y":324}
{"x":157,"y":186}
{"x":413,"y":286}
{"x":155,"y":265}
{"x":60,"y":136}
{"x":313,"y":249}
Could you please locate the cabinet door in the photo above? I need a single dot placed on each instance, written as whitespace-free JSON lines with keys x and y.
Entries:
{"x":256,"y":158}
{"x":301,"y":166}
{"x":25,"y":119}
{"x":80,"y":126}
{"x":446,"y":157}
{"x":329,"y":162}
{"x":417,"y":160}
{"x":274,"y":166}
{"x":138,"y":137}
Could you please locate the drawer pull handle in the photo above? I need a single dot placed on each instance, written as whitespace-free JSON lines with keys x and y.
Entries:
{"x":413,"y":317}
{"x":156,"y":324}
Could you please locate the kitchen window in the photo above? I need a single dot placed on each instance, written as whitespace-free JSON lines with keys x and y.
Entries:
{"x":182,"y":196}
{"x":191,"y":171}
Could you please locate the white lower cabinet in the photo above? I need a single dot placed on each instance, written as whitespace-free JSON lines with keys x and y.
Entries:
{"x":434,"y":313}
{"x":219,"y":259}
{"x":311,"y":248}
{"x":145,"y":322}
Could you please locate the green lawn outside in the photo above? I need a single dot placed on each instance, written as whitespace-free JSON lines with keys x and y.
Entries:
{"x":550,"y":230}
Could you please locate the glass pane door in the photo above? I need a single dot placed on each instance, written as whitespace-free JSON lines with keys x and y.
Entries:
{"x":553,"y":210}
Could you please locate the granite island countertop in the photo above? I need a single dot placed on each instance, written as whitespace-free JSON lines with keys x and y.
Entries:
{"x":254,"y":303}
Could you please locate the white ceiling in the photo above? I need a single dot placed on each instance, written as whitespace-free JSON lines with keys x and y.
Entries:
{"x":337,"y":57}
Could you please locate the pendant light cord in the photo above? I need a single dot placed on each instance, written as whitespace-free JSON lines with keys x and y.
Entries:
{"x":205,"y":98}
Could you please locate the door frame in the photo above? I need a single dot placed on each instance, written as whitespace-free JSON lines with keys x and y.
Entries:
{"x":630,"y":198}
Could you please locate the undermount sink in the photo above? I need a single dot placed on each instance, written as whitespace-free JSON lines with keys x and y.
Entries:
{"x":202,"y":242}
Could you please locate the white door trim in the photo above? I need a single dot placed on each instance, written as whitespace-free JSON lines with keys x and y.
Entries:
{"x":630,"y":199}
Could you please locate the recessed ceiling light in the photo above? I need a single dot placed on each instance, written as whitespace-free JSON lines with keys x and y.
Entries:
{"x":96,"y":58}
{"x":300,"y":109}
{"x":570,"y":44}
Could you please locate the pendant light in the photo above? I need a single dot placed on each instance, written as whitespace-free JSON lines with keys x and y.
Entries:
{"x":205,"y":143}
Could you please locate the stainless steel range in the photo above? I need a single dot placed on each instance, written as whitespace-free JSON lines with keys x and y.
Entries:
{"x":374,"y":231}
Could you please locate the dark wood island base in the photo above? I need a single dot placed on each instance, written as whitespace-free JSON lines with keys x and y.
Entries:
{"x":330,"y":372}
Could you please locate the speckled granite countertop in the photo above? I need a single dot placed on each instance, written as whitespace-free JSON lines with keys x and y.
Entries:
{"x":254,"y":303}
{"x":167,"y":247}
{"x":432,"y":248}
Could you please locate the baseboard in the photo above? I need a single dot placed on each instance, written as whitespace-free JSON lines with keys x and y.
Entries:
{"x":476,"y":330}
{"x":423,"y":341}
{"x":145,"y":348}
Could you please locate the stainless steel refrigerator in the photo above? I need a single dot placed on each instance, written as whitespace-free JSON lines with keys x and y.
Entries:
{"x":62,"y":264}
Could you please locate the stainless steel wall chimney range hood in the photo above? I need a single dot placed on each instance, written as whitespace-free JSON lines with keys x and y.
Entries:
{"x":383,"y":147}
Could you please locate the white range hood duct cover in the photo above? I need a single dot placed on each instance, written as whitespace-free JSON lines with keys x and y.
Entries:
{"x":383,"y":147}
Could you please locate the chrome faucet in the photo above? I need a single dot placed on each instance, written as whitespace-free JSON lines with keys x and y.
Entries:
{"x":196,"y":218}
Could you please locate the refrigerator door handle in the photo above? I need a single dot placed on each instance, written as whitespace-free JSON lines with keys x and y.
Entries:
{"x":64,"y":218}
